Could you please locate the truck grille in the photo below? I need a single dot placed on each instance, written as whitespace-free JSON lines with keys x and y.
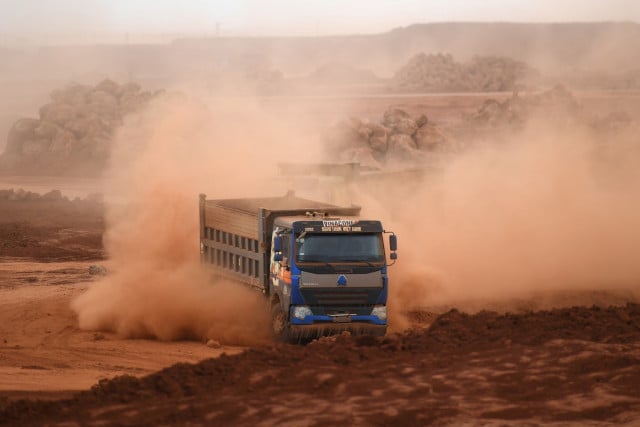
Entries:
{"x":333,"y":297}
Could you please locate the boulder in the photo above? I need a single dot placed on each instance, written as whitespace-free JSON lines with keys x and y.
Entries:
{"x":429,"y":137}
{"x":422,"y":120}
{"x":74,"y":131}
{"x":402,"y":147}
{"x":379,"y":139}
{"x":406,"y":126}
{"x":392,"y":116}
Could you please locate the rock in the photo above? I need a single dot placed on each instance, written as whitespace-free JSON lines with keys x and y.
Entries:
{"x":213,"y":344}
{"x":379,"y":139}
{"x":393,"y":115}
{"x":422,"y":120}
{"x":429,"y":137}
{"x":441,"y":73}
{"x":364,"y":130}
{"x":406,"y":126}
{"x":402,"y":147}
{"x":399,"y":121}
{"x":74,"y":132}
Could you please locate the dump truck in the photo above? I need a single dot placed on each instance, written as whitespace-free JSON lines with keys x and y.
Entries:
{"x":322,"y":268}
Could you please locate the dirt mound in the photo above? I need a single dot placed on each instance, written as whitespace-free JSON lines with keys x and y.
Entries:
{"x":73,"y":134}
{"x":50,"y":226}
{"x":557,"y":103}
{"x":399,"y":138}
{"x":441,"y":73}
{"x":568,"y":365}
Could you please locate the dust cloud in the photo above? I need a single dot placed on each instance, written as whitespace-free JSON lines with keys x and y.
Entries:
{"x":554,"y":209}
{"x":162,"y":159}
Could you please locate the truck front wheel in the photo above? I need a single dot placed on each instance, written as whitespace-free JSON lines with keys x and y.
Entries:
{"x":279,"y":323}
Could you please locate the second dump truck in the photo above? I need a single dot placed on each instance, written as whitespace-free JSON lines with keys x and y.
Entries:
{"x":321,"y":266}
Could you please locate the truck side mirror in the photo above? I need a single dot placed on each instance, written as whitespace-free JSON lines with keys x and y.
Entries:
{"x":277,"y":244}
{"x":277,"y":256}
{"x":393,"y":242}
{"x":393,"y":256}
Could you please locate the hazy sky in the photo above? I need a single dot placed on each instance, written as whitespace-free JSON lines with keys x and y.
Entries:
{"x":114,"y":18}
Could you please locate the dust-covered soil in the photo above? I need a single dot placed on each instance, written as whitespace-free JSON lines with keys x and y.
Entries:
{"x":51,"y":228}
{"x":51,"y":251}
{"x":563,"y":366}
{"x":573,"y":366}
{"x":43,"y":352}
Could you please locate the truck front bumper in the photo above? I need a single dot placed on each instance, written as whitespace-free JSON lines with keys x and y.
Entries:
{"x":324,"y":329}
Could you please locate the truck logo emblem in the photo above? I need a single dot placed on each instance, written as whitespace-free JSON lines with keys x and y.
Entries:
{"x":342,"y":280}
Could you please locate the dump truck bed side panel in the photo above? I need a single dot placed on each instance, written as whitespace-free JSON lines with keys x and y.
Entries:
{"x":235,"y":234}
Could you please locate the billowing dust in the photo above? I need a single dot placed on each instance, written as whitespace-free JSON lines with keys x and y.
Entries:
{"x":552,"y":209}
{"x":162,"y":159}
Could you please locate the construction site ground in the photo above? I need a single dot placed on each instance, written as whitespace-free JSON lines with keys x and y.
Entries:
{"x":575,"y":364}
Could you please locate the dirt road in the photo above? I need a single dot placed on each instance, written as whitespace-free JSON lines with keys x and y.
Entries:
{"x":41,"y":347}
{"x":577,"y":366}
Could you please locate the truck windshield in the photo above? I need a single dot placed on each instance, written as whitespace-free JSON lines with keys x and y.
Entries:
{"x":340,"y":248}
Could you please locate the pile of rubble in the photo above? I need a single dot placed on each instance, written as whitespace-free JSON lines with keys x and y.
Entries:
{"x":73,"y":132}
{"x":554,"y":104}
{"x":21,"y":195}
{"x":441,"y":73}
{"x":399,"y":137}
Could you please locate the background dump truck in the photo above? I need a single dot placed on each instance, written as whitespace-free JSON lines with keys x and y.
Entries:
{"x":323,"y":269}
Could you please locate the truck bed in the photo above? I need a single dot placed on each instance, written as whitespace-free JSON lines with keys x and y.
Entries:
{"x":235,"y":234}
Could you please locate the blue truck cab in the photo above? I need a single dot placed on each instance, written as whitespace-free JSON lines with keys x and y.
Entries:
{"x":323,"y":268}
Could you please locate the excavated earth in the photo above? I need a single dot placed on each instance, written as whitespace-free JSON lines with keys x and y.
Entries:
{"x":572,"y":366}
{"x":565,"y":366}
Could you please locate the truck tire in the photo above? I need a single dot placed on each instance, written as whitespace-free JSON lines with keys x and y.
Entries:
{"x":279,"y":323}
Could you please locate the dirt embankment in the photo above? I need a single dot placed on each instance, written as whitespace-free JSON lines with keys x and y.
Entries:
{"x":50,"y":227}
{"x":574,"y":365}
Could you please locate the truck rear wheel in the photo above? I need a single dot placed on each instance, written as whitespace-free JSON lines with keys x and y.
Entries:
{"x":279,"y":323}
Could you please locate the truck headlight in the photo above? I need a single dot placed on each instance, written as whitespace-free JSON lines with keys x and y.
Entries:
{"x":380,"y":311}
{"x":301,"y":311}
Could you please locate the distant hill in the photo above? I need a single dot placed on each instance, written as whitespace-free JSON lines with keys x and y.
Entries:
{"x":550,"y":48}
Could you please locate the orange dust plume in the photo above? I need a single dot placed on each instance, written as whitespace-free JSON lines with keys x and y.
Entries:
{"x":161,"y":160}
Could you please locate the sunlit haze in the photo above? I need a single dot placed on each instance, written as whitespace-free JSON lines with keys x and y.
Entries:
{"x":80,"y":21}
